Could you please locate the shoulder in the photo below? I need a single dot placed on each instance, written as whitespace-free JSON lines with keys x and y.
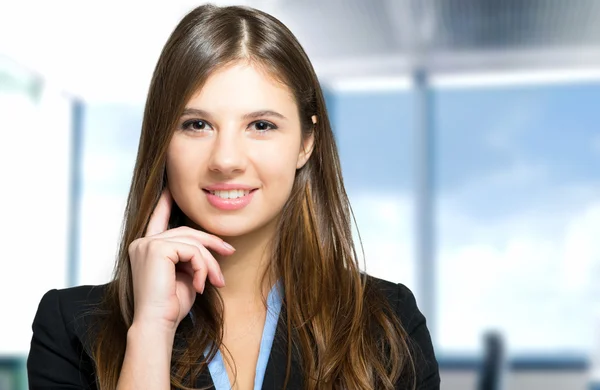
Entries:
{"x":68,"y":309}
{"x":75,"y":298}
{"x":401,"y":299}
{"x":403,"y":302}
{"x":71,"y":302}
{"x":59,"y":354}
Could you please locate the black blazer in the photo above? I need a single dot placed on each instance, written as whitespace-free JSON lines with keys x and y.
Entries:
{"x":59,"y":357}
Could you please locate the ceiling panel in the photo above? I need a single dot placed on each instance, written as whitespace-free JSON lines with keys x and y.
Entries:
{"x":338,"y":28}
{"x":107,"y":50}
{"x":508,"y":24}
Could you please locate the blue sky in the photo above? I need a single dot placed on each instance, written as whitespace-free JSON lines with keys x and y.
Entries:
{"x":552,"y":125}
{"x":478,"y":130}
{"x":517,"y":181}
{"x":374,"y":134}
{"x":540,"y":137}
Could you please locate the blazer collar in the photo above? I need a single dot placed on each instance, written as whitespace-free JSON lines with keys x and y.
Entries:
{"x":276,"y":365}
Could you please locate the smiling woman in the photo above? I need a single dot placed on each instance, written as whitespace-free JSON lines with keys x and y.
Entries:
{"x":237,"y":267}
{"x":228,"y":147}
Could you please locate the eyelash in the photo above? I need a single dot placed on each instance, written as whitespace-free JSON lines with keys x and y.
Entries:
{"x":186,"y":125}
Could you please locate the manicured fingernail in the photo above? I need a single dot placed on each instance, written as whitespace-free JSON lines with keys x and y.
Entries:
{"x":226,"y":245}
{"x":222,"y":279}
{"x":202,"y":288}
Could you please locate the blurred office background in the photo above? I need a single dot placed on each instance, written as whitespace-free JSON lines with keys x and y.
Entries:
{"x":469,"y":132}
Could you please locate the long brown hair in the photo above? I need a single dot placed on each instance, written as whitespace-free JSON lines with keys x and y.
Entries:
{"x":347,"y":335}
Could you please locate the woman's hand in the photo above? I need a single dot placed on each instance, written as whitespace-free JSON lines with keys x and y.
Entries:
{"x":170,"y":266}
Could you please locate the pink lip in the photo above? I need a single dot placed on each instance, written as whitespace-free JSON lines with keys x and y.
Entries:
{"x":229,"y":204}
{"x":228,"y":187}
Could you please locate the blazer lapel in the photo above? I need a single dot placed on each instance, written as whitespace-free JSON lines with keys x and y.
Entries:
{"x":276,"y":365}
{"x":204,"y":380}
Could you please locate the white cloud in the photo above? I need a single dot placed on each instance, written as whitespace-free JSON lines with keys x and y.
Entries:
{"x":385,"y":223}
{"x":519,"y":271}
{"x":581,"y":249}
{"x":531,"y":274}
{"x":502,"y":132}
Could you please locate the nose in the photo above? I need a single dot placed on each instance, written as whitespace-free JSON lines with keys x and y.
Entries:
{"x":227,"y":156}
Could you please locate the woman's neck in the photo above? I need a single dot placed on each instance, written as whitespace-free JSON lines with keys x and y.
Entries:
{"x":244,"y":269}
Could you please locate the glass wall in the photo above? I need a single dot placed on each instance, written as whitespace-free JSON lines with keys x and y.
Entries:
{"x":35,"y":152}
{"x":518,"y":216}
{"x":109,"y":147}
{"x":375,"y":136}
{"x":516,"y":208}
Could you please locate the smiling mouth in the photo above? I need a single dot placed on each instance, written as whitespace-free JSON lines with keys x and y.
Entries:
{"x":230,"y":194}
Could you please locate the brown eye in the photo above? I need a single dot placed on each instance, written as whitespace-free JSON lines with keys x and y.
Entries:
{"x":195,"y":125}
{"x":263,"y":126}
{"x":198,"y":125}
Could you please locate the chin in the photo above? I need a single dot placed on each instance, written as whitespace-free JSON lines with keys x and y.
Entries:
{"x":224,"y":226}
{"x":226,"y":231}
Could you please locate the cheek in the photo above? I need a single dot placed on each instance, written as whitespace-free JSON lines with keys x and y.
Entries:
{"x":276,"y":168}
{"x":180,"y":164}
{"x":174,"y":168}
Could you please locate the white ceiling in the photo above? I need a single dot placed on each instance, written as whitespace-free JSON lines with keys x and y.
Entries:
{"x":106,"y":51}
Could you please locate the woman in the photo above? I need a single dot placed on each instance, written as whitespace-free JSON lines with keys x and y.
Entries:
{"x":237,"y":266}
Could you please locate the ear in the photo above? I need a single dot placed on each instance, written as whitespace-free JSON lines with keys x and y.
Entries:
{"x":307,"y":147}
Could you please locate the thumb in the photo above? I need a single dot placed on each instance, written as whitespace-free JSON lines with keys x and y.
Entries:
{"x":159,"y":220}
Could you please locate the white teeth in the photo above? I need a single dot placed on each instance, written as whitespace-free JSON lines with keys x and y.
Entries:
{"x":233,"y":194}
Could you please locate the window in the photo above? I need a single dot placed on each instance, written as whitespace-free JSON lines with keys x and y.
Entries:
{"x":35,"y":119}
{"x":518,"y":216}
{"x":109,"y":149}
{"x":374,"y":133}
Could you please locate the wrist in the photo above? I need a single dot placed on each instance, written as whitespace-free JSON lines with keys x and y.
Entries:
{"x":147,"y":360}
{"x":154,"y":331}
{"x":153,"y":322}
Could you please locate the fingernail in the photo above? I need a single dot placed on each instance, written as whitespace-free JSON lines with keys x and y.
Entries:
{"x":222,"y":279}
{"x":226,"y":245}
{"x":202,"y":288}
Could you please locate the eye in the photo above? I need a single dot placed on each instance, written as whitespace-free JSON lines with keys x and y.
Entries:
{"x":198,"y":125}
{"x":263,"y":126}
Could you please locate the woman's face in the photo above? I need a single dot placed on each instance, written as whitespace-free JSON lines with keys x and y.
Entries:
{"x":232,"y":160}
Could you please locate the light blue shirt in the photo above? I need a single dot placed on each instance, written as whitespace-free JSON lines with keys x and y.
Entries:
{"x":217,"y":367}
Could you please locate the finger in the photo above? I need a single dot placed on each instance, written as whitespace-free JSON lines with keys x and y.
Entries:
{"x":159,"y":220}
{"x":207,"y":240}
{"x":191,"y":254}
{"x":214,"y":269}
{"x":215,"y":274}
{"x":195,"y":278}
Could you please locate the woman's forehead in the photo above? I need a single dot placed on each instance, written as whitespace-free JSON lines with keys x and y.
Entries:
{"x":243,"y":88}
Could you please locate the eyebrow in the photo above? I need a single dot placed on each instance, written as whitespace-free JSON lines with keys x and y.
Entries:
{"x":250,"y":115}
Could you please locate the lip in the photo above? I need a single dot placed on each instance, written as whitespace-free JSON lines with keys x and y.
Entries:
{"x":228,"y":187}
{"x":229,"y":204}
